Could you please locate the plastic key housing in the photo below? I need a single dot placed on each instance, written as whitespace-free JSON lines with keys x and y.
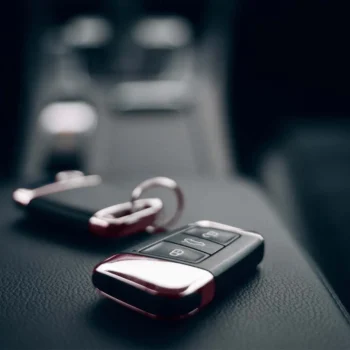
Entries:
{"x":173,"y":276}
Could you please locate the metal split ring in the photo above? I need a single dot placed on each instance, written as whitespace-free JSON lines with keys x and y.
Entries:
{"x":164,"y":182}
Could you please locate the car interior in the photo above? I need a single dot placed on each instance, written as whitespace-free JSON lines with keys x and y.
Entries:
{"x":244,"y":104}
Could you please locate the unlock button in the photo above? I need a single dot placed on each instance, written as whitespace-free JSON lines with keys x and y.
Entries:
{"x":197,"y":243}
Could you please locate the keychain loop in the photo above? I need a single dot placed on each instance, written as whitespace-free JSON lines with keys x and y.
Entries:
{"x":121,"y":220}
{"x":160,"y":182}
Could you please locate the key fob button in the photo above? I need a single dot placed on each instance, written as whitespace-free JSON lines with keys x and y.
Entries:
{"x":196,"y":243}
{"x":217,"y":236}
{"x":175,"y":252}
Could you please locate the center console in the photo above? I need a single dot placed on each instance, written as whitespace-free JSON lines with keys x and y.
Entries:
{"x":121,"y":88}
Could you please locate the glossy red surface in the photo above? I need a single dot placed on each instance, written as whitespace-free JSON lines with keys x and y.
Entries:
{"x":160,"y":278}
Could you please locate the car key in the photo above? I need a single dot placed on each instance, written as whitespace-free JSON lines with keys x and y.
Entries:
{"x":86,"y":203}
{"x":176,"y":276}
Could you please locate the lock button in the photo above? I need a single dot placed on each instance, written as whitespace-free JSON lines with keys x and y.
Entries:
{"x":197,"y":243}
{"x":174,"y":251}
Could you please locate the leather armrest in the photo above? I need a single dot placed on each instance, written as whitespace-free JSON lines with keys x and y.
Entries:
{"x":48,"y":301}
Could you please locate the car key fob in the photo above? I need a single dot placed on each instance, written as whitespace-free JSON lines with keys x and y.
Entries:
{"x":86,"y":203}
{"x":175,"y":276}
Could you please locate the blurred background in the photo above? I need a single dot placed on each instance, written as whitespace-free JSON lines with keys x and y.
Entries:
{"x":221,"y":89}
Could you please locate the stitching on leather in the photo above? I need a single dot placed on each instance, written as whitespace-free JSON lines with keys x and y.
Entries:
{"x":332,"y":294}
{"x":313,"y":264}
{"x":303,"y":250}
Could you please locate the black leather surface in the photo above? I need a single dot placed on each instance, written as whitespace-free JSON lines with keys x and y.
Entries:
{"x":48,"y":302}
{"x":317,"y":162}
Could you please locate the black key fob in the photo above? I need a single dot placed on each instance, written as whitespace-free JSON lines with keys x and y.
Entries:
{"x":175,"y":276}
{"x":85,"y":203}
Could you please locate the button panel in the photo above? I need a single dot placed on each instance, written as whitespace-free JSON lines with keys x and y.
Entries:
{"x":213,"y":235}
{"x":176,"y":252}
{"x":197,"y":243}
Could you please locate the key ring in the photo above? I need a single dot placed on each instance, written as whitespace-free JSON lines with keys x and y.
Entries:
{"x":165,"y":182}
{"x":117,"y":220}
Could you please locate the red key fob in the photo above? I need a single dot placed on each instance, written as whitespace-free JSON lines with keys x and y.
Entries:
{"x":175,"y":276}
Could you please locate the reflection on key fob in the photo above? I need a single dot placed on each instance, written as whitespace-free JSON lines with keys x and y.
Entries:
{"x":175,"y":276}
